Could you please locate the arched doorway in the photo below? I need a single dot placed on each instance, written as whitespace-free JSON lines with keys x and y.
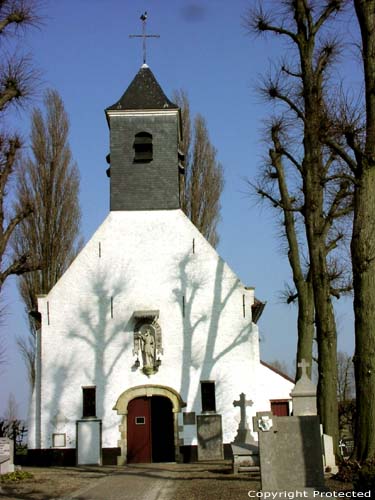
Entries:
{"x":149,"y":428}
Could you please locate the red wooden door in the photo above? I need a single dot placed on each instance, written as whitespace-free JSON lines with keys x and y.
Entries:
{"x":280,"y":408}
{"x":139,"y":430}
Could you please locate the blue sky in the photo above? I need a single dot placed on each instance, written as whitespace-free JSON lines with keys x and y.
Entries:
{"x":83,"y":50}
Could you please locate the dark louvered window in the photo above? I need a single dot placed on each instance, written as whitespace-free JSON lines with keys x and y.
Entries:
{"x":142,"y":147}
{"x":88,"y":402}
{"x":208,"y":396}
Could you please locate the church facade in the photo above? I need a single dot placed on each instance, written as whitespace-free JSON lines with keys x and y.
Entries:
{"x":149,"y":341}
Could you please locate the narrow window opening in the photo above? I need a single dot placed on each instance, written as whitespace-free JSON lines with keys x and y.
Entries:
{"x":143,"y":150}
{"x":208,"y":396}
{"x":88,"y":402}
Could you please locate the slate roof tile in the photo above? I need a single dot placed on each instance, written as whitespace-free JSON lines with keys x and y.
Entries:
{"x":144,"y":92}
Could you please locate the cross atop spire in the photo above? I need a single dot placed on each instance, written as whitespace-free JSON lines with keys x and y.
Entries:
{"x":143,"y":18}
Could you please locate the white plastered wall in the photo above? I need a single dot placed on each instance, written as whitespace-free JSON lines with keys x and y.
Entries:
{"x":148,"y":260}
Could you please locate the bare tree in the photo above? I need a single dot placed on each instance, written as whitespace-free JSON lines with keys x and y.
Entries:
{"x":300,"y":86}
{"x":204,"y":180}
{"x":11,"y":410}
{"x":49,"y":183}
{"x":285,"y":202}
{"x":345,"y":377}
{"x":17,"y":83}
{"x":355,"y":144}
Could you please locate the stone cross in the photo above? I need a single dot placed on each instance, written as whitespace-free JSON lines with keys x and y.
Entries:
{"x":303,"y":365}
{"x":143,"y":18}
{"x":242,"y":403}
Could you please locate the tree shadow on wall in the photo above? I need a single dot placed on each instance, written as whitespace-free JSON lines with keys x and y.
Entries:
{"x":102,"y":328}
{"x":189,"y":288}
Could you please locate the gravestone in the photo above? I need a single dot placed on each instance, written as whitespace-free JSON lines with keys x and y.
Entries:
{"x":304,"y":394}
{"x":329,"y":458}
{"x":210,"y":437}
{"x":291,"y":454}
{"x":89,"y":442}
{"x":243,"y":432}
{"x":6,"y":455}
{"x":244,"y":448}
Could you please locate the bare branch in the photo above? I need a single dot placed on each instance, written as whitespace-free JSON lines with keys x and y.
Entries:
{"x":18,"y":81}
{"x":333,"y":6}
{"x":17,"y":14}
{"x":340,"y":151}
{"x":258,"y":21}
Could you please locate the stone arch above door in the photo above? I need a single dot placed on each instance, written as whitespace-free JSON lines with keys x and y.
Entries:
{"x":121,"y":407}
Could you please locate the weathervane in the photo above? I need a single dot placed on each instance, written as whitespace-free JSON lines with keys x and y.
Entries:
{"x":143,"y":18}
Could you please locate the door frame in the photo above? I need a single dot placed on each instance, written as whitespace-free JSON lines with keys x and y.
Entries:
{"x":121,"y":407}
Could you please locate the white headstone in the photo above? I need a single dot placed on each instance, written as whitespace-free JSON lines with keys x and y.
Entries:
{"x":6,"y":455}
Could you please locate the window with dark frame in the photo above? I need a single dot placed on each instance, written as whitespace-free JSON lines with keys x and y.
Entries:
{"x":88,"y":402}
{"x":143,"y":151}
{"x":208,"y":396}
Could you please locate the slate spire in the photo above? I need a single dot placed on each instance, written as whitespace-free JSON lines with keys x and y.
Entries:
{"x":144,"y":92}
{"x":144,"y":157}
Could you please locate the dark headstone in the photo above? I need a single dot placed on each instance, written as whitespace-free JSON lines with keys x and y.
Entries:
{"x":210,"y":437}
{"x":290,"y":452}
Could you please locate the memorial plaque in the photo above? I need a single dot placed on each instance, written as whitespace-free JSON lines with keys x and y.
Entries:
{"x":58,"y":440}
{"x":210,"y":437}
{"x":5,"y":447}
{"x":189,"y":418}
{"x":89,"y":442}
{"x":6,"y":456}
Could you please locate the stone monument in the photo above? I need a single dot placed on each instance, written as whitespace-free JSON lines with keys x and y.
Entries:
{"x":244,"y":448}
{"x":290,"y":448}
{"x":6,"y":455}
{"x":304,"y":394}
{"x":210,"y":437}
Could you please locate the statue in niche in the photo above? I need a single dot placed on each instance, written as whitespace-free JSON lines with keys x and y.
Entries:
{"x":147,"y":339}
{"x":147,"y":346}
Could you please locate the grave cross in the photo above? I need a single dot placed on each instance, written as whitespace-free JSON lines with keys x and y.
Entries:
{"x":303,"y":365}
{"x":242,"y":403}
{"x":143,"y":18}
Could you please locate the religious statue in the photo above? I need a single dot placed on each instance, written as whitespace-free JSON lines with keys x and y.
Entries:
{"x":147,"y":340}
{"x":147,"y":347}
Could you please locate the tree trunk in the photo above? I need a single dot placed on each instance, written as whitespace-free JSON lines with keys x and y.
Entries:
{"x":363,"y":249}
{"x":363,"y":260}
{"x":315,"y":233}
{"x":305,"y":325}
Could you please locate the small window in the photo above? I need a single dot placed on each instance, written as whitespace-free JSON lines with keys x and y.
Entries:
{"x":88,"y":402}
{"x":140,"y":420}
{"x":208,"y":396}
{"x":142,"y":147}
{"x":280,"y":408}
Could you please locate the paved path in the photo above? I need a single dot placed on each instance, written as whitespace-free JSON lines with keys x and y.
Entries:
{"x":130,"y":484}
{"x":200,"y":481}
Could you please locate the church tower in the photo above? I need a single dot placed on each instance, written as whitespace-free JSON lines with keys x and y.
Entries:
{"x":144,"y":157}
{"x":148,"y":344}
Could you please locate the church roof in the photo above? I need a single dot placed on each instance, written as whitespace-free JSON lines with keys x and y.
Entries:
{"x":144,"y":92}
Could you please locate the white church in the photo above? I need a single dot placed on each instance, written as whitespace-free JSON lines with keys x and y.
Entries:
{"x":149,"y":348}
